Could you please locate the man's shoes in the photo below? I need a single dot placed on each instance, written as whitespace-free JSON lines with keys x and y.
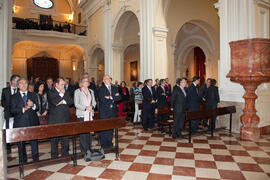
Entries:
{"x":174,"y":136}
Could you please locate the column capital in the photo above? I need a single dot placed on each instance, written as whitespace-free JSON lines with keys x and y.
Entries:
{"x":117,"y":46}
{"x":160,"y":32}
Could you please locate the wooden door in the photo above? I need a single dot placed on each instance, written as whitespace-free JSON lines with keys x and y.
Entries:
{"x":42,"y":67}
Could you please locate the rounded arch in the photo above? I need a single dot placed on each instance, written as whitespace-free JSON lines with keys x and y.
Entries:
{"x":201,"y":34}
{"x":131,"y":64}
{"x":122,"y":20}
{"x":97,"y":65}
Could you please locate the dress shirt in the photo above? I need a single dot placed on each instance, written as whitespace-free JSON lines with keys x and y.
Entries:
{"x":22,"y":94}
{"x":183,"y":90}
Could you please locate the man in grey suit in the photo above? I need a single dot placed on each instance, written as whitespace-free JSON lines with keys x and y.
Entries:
{"x":178,"y":105}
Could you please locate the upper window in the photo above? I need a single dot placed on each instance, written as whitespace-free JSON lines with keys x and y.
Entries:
{"x":45,"y":4}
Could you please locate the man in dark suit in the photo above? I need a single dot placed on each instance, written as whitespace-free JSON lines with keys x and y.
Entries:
{"x":23,"y":106}
{"x":93,"y":86}
{"x":149,"y":101}
{"x":178,"y":105}
{"x":212,"y":101}
{"x":69,"y":88}
{"x":5,"y":101}
{"x":59,"y":102}
{"x":193,"y":101}
{"x":49,"y":85}
{"x":108,"y":97}
{"x":162,"y":95}
{"x":6,"y":96}
{"x":203,"y":90}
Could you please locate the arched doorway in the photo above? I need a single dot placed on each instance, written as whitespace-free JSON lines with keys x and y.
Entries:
{"x":97,"y":64}
{"x":126,"y":35}
{"x":199,"y":58}
{"x":42,"y":67}
{"x":195,"y":51}
{"x":131,"y":63}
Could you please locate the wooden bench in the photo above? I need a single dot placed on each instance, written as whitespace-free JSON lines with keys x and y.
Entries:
{"x":208,"y":113}
{"x":169,"y":122}
{"x":17,"y":135}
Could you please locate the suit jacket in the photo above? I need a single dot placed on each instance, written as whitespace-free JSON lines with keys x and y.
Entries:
{"x":192,"y":98}
{"x":5,"y":101}
{"x":71,"y":90}
{"x":93,"y":87}
{"x":178,"y":100}
{"x":212,"y":97}
{"x":148,"y":97}
{"x":162,"y":97}
{"x":203,"y":90}
{"x":107,"y":107}
{"x":27,"y":118}
{"x":59,"y":113}
{"x":79,"y":102}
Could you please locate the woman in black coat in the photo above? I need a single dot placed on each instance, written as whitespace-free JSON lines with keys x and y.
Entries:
{"x":124,"y":93}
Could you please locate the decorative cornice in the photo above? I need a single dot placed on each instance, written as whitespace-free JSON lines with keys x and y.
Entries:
{"x":263,"y":3}
{"x":90,"y":9}
{"x":217,"y":6}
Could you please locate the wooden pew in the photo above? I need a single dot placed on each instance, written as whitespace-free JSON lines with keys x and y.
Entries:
{"x":17,"y":135}
{"x":169,"y":122}
{"x":208,"y":113}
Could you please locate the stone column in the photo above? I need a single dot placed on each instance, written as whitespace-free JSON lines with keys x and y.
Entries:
{"x":108,"y":38}
{"x":5,"y":68}
{"x":5,"y":41}
{"x":161,"y":56}
{"x":146,"y":39}
{"x":118,"y":65}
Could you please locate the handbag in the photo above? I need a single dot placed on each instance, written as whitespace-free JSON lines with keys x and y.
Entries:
{"x":94,"y":155}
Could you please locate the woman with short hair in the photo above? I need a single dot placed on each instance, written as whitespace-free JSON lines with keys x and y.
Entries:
{"x":84,"y":100}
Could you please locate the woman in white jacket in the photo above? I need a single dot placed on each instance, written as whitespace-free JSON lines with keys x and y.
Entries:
{"x":84,"y":100}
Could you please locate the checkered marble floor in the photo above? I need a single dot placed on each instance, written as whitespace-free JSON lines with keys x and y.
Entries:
{"x":153,"y":155}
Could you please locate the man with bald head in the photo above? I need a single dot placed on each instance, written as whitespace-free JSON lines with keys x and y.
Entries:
{"x":108,"y":97}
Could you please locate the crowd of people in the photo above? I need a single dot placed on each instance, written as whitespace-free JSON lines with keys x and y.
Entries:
{"x":26,"y":101}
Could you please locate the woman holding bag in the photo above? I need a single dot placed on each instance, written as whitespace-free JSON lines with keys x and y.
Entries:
{"x":84,"y":100}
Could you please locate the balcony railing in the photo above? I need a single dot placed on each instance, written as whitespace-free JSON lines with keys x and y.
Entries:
{"x":49,"y":25}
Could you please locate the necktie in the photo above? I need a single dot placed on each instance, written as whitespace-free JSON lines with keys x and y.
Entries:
{"x":110,"y":89}
{"x":183,"y":90}
{"x":14,"y":91}
{"x":24,"y":97}
{"x":150,"y":90}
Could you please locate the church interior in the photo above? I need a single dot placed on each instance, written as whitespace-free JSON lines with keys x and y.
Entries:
{"x":132,"y":41}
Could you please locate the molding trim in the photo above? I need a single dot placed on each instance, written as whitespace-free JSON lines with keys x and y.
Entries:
{"x":93,"y":7}
{"x":159,"y":29}
{"x":263,"y":3}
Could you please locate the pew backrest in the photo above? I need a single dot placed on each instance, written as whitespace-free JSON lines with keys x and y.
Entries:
{"x":58,"y":130}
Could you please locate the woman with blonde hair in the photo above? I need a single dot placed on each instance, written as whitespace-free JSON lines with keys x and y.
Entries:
{"x":84,"y":101}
